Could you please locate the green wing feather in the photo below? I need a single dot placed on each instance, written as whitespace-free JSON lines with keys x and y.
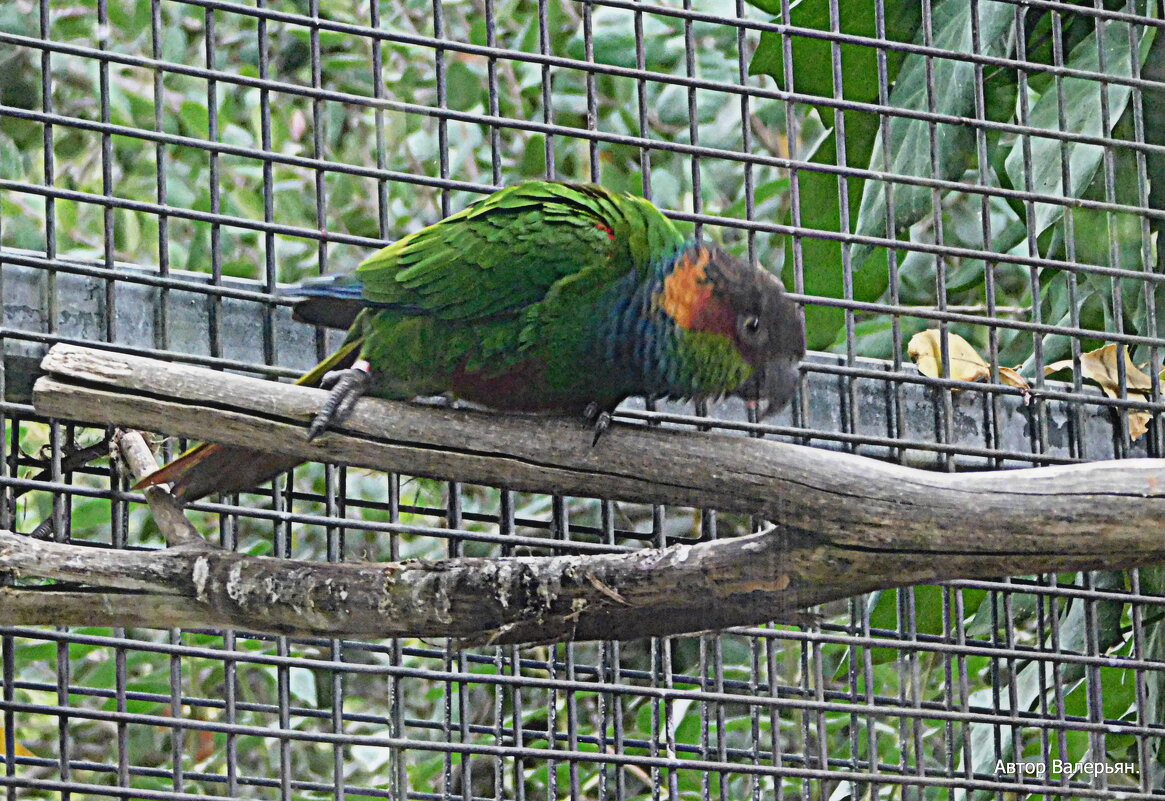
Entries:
{"x":506,"y":251}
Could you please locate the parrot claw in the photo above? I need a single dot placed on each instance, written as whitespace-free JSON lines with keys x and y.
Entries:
{"x":600,"y":418}
{"x":346,"y":388}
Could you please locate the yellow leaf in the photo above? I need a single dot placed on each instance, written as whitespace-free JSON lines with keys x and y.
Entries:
{"x":925,"y":349}
{"x":19,"y":749}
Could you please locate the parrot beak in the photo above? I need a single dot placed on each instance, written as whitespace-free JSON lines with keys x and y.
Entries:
{"x":770,"y":387}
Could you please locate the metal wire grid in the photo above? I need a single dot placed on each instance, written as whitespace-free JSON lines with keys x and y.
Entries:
{"x":778,"y":711}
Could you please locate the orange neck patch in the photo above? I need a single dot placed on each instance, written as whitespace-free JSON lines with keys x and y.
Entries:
{"x":687,"y":296}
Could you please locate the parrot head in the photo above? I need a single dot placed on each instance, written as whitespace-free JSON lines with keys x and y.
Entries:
{"x":769,"y":330}
{"x":713,"y":291}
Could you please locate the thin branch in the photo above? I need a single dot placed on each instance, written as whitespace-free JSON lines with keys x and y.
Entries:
{"x":139,"y":460}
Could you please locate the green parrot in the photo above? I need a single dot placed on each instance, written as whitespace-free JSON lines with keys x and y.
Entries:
{"x":543,"y":296}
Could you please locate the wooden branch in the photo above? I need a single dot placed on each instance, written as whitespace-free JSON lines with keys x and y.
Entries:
{"x":138,"y":458}
{"x":844,"y":524}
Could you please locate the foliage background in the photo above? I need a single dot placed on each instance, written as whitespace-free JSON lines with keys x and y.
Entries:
{"x":367,"y":175}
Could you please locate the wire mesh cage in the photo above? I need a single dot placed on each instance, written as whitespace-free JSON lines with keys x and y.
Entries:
{"x":971,"y":183}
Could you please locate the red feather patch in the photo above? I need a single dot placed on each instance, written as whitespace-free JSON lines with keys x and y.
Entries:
{"x":688,"y":298}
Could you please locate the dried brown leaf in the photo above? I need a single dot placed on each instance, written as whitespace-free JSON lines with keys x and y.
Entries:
{"x":1100,"y":365}
{"x":1009,"y":376}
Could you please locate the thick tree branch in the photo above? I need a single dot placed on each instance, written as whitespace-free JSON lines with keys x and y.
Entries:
{"x":845,"y":524}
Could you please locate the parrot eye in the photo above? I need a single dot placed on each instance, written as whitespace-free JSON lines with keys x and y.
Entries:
{"x":750,"y":325}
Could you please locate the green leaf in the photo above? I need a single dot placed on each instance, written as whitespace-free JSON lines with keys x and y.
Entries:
{"x":764,"y":192}
{"x":1039,"y":678}
{"x":11,"y":160}
{"x":464,"y":87}
{"x":195,"y":118}
{"x":1082,"y":118}
{"x":769,"y":6}
{"x":813,"y":58}
{"x":823,"y":268}
{"x":910,"y":139}
{"x":819,"y":193}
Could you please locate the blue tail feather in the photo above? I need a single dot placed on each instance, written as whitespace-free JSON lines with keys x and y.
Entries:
{"x":335,"y":300}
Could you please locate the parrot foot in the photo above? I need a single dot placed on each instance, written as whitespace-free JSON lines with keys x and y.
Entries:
{"x":346,"y":388}
{"x":599,"y":417}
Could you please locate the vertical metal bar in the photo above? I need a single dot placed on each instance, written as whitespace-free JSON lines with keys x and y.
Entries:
{"x":1093,"y":687}
{"x":9,"y":427}
{"x":694,"y":116}
{"x":547,"y":82}
{"x":705,"y":720}
{"x":506,"y":527}
{"x":8,"y":647}
{"x":1057,"y":670}
{"x":776,"y":748}
{"x":1039,"y":412}
{"x":442,"y":102}
{"x":895,"y":419}
{"x":1075,"y":433}
{"x":848,"y":397}
{"x":964,"y":685}
{"x":64,"y":665}
{"x":1011,"y":668}
{"x":177,"y":733}
{"x":108,"y":225}
{"x":610,"y":705}
{"x":398,"y":767}
{"x":1144,"y":750}
{"x":456,"y":701}
{"x":495,"y":135}
{"x":335,"y":507}
{"x":1156,"y":444}
{"x":378,"y":119}
{"x":161,"y":312}
{"x":862,"y":612}
{"x":518,"y":714}
{"x":592,"y":94}
{"x":641,"y":101}
{"x":229,"y":540}
{"x":755,"y":679}
{"x":49,"y":156}
{"x":213,"y":301}
{"x":282,"y":489}
{"x":812,"y":722}
{"x":800,"y":407}
{"x":717,"y":650}
{"x":318,"y":148}
{"x":946,"y":428}
{"x":552,"y":721}
{"x":270,"y":268}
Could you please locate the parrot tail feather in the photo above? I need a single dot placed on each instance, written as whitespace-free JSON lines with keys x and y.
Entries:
{"x":210,"y":467}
